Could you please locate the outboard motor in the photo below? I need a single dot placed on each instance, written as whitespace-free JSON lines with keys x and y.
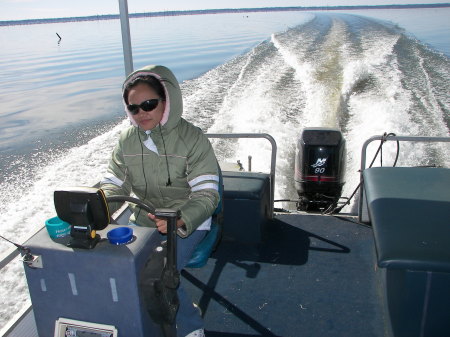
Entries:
{"x":319,"y":168}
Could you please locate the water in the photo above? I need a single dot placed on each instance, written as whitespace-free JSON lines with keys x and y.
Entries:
{"x":269,"y":72}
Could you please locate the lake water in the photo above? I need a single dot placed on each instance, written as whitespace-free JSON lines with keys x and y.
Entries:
{"x":61,"y":113}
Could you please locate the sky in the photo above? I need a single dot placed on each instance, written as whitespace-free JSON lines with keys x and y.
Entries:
{"x":42,"y":9}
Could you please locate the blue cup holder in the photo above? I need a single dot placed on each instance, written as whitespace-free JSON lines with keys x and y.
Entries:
{"x":120,"y":235}
{"x":57,"y":228}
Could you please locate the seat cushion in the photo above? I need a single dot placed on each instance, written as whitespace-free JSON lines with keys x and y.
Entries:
{"x":409,"y":209}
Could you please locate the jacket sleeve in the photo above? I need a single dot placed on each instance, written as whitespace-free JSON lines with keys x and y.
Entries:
{"x":115,"y":181}
{"x":203,"y":179}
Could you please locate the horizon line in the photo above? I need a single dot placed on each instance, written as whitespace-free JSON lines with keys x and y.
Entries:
{"x":213,"y":11}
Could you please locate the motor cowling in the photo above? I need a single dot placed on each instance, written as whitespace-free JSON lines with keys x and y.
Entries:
{"x":319,"y":168}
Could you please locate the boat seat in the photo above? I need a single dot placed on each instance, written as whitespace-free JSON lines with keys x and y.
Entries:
{"x":247,"y":206}
{"x":409,"y":209}
{"x":204,"y":249}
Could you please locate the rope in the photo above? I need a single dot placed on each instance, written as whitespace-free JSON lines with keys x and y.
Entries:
{"x":379,"y":150}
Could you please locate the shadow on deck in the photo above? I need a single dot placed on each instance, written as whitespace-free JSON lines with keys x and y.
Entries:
{"x":313,"y":276}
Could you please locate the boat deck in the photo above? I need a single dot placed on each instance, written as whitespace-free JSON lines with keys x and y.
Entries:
{"x":314,"y":276}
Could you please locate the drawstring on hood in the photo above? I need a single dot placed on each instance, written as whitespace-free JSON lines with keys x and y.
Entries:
{"x":169,"y":183}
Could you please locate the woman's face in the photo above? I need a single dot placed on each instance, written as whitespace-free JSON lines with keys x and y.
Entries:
{"x":147,"y":120}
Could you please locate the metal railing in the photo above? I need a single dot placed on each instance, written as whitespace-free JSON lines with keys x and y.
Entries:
{"x":273,"y":159}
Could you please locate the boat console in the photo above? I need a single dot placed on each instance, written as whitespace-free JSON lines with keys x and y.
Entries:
{"x":102,"y":278}
{"x":91,"y":286}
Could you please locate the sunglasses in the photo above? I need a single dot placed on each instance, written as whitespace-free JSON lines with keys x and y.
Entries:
{"x":147,"y":105}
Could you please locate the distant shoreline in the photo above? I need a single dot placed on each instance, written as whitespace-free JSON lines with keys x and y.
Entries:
{"x":214,"y":11}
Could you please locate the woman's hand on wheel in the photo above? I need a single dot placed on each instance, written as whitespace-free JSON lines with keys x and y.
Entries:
{"x":161,"y":224}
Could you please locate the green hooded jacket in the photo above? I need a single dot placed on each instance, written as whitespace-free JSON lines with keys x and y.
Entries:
{"x":182,"y":151}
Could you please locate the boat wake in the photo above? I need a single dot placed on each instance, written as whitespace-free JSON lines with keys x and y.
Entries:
{"x":357,"y":74}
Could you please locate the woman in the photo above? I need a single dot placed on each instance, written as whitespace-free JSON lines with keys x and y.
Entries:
{"x":168,"y":162}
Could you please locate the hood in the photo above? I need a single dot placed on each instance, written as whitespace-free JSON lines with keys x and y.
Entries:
{"x":174,"y":101}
